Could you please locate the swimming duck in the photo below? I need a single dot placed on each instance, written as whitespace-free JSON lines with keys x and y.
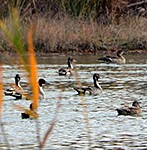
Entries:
{"x":67,"y":71}
{"x":135,"y":110}
{"x":14,"y":88}
{"x":119,"y":59}
{"x":20,"y":95}
{"x":42,"y":82}
{"x":90,"y":90}
{"x":29,"y":113}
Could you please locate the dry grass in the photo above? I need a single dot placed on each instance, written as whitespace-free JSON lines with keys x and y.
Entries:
{"x":57,"y":34}
{"x":62,"y":34}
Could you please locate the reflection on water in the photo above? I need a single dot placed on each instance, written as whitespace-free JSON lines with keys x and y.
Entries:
{"x":122,"y":84}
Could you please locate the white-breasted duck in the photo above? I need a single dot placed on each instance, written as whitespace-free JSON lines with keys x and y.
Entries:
{"x":42,"y":82}
{"x":134,"y":110}
{"x":119,"y":59}
{"x":94,"y":90}
{"x":67,"y":71}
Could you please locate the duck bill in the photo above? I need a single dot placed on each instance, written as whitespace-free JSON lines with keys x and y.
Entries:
{"x":125,"y":52}
{"x":47,"y":83}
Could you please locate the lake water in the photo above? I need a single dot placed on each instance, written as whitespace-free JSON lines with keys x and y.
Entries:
{"x":122,"y":84}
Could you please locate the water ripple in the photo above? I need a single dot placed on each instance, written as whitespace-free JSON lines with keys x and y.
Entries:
{"x":121,"y":83}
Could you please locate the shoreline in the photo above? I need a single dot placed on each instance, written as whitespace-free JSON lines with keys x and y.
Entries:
{"x":73,"y":53}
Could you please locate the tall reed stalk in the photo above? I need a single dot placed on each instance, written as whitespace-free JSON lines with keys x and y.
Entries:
{"x":1,"y":104}
{"x":28,"y":61}
{"x":85,"y":111}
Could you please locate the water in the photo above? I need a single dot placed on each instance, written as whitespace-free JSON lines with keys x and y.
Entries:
{"x":122,"y":84}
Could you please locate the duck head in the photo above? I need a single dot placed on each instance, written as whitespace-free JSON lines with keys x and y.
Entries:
{"x":120,"y":53}
{"x":96,"y":76}
{"x":41,"y":82}
{"x":70,"y":60}
{"x":135,"y":104}
{"x":17,"y":80}
{"x":32,"y":107}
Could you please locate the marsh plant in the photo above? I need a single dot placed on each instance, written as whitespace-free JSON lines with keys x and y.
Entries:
{"x":28,"y":62}
{"x":27,"y":59}
{"x":78,"y":26}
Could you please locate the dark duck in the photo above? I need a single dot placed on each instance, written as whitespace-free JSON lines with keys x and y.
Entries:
{"x":134,"y":110}
{"x":91,"y":90}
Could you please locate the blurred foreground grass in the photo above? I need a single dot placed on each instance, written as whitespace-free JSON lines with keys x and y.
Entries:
{"x":27,"y":61}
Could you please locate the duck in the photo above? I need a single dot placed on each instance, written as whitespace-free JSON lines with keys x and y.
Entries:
{"x":67,"y":71}
{"x":29,"y":113}
{"x":42,"y":82}
{"x":21,"y":94}
{"x":14,"y":87}
{"x":94,"y":90}
{"x":134,"y":110}
{"x":119,"y":59}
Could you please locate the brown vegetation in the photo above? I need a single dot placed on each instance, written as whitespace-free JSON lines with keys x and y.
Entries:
{"x":60,"y":31}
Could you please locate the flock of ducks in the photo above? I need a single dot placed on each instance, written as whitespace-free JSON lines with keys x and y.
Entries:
{"x":134,"y":110}
{"x":17,"y":92}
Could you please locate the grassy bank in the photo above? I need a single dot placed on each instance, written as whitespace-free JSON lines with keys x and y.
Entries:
{"x":63,"y":34}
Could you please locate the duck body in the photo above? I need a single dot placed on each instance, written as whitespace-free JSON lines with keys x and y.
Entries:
{"x":67,"y":71}
{"x":13,"y":91}
{"x":82,"y":90}
{"x":64,"y":72}
{"x":87,"y":90}
{"x":29,"y":113}
{"x":96,"y":89}
{"x":14,"y":94}
{"x":119,"y":59}
{"x":133,"y":110}
{"x":25,"y":116}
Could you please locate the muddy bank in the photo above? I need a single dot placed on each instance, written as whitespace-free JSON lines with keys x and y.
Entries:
{"x":73,"y":52}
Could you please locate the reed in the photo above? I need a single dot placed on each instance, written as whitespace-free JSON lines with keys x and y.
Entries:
{"x":85,"y":111}
{"x":33,"y":70}
{"x":1,"y":104}
{"x":15,"y":39}
{"x":13,"y":36}
{"x":1,"y":89}
{"x":28,"y":60}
